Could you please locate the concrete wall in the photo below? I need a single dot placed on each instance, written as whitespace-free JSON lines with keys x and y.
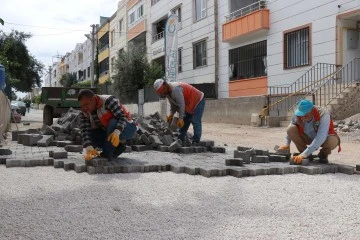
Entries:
{"x":5,"y":114}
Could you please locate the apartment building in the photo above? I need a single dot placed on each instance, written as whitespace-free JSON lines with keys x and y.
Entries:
{"x":118,"y":33}
{"x":271,"y":43}
{"x":79,"y":61}
{"x":196,"y":40}
{"x":103,"y":49}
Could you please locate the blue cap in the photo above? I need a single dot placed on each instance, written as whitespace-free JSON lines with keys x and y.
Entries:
{"x":304,"y":107}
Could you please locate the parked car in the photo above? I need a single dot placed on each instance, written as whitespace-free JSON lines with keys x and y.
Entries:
{"x":15,"y":116}
{"x":21,"y":107}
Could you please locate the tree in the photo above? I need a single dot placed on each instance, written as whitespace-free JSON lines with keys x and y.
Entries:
{"x":133,"y":72}
{"x":23,"y":71}
{"x":68,"y":79}
{"x":1,"y":21}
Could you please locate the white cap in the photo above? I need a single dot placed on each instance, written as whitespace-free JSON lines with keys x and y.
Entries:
{"x":158,"y":83}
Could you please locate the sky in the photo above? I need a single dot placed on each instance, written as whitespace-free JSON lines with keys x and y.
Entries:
{"x":56,"y":26}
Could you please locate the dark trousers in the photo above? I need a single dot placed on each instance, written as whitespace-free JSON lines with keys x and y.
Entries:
{"x":99,"y":138}
{"x":195,"y":119}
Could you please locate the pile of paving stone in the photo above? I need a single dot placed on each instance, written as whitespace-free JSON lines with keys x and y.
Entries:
{"x":347,"y":125}
{"x":153,"y":134}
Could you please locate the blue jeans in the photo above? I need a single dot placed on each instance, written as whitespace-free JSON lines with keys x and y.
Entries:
{"x":99,"y":138}
{"x":195,"y":119}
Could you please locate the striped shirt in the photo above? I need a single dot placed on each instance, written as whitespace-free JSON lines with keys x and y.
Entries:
{"x":92,"y":121}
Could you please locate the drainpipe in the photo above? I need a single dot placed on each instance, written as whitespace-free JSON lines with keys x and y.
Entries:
{"x":216,"y":15}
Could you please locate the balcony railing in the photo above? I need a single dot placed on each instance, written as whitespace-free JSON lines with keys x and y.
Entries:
{"x":158,"y":36}
{"x":246,"y":10}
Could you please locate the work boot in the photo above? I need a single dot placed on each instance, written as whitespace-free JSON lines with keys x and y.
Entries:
{"x":119,"y":150}
{"x":323,"y":158}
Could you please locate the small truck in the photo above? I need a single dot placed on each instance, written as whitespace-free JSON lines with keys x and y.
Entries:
{"x":59,"y":100}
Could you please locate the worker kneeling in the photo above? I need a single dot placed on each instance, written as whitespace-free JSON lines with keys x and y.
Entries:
{"x":104,"y":123}
{"x":311,"y":128}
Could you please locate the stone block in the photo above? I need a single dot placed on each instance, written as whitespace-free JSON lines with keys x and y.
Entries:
{"x":78,"y":140}
{"x":141,"y":148}
{"x":357,"y":167}
{"x":261,"y":152}
{"x":51,"y":154}
{"x":20,"y":138}
{"x":5,"y":151}
{"x":242,"y":149}
{"x":304,"y":162}
{"x":234,"y":162}
{"x":346,"y":169}
{"x":59,"y":155}
{"x":310,"y":170}
{"x":97,"y":162}
{"x":47,"y":130}
{"x":58,"y":164}
{"x":235,"y":173}
{"x":30,"y":139}
{"x":277,"y":158}
{"x":13,"y":163}
{"x":69,"y":166}
{"x":128,"y":149}
{"x":206,"y":143}
{"x":145,"y":139}
{"x":64,"y":143}
{"x":185,"y":150}
{"x":61,"y":138}
{"x":260,"y":159}
{"x":2,"y":160}
{"x":167,"y":140}
{"x":186,"y":142}
{"x":218,"y":149}
{"x":246,"y":156}
{"x":32,"y":131}
{"x":73,"y":148}
{"x":45,"y":140}
{"x":163,"y":148}
{"x":80,"y":168}
{"x":191,"y":170}
{"x":14,"y":135}
{"x":155,"y":140}
{"x":175,"y":145}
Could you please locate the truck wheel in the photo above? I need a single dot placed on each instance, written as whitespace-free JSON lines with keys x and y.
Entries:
{"x":48,"y":115}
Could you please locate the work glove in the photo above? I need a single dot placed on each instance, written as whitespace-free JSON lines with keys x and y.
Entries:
{"x":284,"y":147}
{"x":169,"y":118}
{"x":90,"y":153}
{"x":114,"y":137}
{"x":180,"y":123}
{"x":298,"y":159}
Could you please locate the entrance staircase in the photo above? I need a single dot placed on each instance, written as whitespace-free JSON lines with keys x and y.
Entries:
{"x":327,"y":85}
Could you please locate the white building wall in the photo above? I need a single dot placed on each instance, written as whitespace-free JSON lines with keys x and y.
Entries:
{"x":286,"y":15}
{"x":119,"y":40}
{"x":189,"y":33}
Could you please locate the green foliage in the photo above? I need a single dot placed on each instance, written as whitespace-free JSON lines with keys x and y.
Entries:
{"x":1,"y":21}
{"x":36,"y":99}
{"x":23,"y":71}
{"x":133,"y":72}
{"x":84,"y":84}
{"x":68,"y":79}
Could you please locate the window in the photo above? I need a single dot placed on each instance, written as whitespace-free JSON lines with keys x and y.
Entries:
{"x":153,"y":2}
{"x":199,"y":54}
{"x":140,"y":11}
{"x":136,"y":13}
{"x":112,"y":38}
{"x":180,"y":60}
{"x":296,"y":48}
{"x":200,"y":9}
{"x":177,"y":11}
{"x":121,"y":27}
{"x":132,"y":18}
{"x":84,"y":73}
{"x":248,"y":61}
{"x":88,"y":72}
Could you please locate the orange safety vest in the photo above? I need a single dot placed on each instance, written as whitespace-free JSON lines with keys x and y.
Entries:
{"x":316,"y":123}
{"x":106,"y":115}
{"x":192,"y":97}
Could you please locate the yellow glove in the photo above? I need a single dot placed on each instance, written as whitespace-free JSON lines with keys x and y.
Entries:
{"x":284,"y":147}
{"x":298,"y":159}
{"x":90,"y":153}
{"x":180,"y":123}
{"x":114,"y":137}
{"x":169,"y":118}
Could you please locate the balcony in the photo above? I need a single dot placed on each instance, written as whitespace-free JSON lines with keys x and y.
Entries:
{"x":158,"y":36}
{"x":250,"y":19}
{"x":135,"y":29}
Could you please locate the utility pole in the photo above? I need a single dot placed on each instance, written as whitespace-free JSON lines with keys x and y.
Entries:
{"x":50,"y":69}
{"x":92,"y":39}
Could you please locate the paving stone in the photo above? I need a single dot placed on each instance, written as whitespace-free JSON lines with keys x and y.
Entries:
{"x":206,"y":143}
{"x":218,"y":149}
{"x":73,"y":148}
{"x":242,"y":149}
{"x":304,"y":162}
{"x":346,"y":169}
{"x":33,"y":131}
{"x":13,"y":163}
{"x":145,"y":139}
{"x":209,"y":172}
{"x":61,"y":138}
{"x":59,"y":155}
{"x":185,"y":150}
{"x":261,"y":152}
{"x":277,"y":158}
{"x":64,"y":143}
{"x":310,"y":170}
{"x":186,"y":142}
{"x":47,"y":130}
{"x":357,"y":167}
{"x":58,"y":164}
{"x":128,"y":149}
{"x":191,"y":170}
{"x":155,"y":140}
{"x":245,"y":156}
{"x":78,"y":140}
{"x":45,"y":140}
{"x":14,"y":135}
{"x":5,"y":151}
{"x":260,"y":159}
{"x":69,"y":166}
{"x":91,"y":170}
{"x":96,"y":162}
{"x":197,"y":149}
{"x":235,"y":173}
{"x":141,"y":148}
{"x":2,"y":160}
{"x":234,"y":162}
{"x":163,"y":148}
{"x":30,"y":139}
{"x":175,"y":145}
{"x":51,"y":154}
